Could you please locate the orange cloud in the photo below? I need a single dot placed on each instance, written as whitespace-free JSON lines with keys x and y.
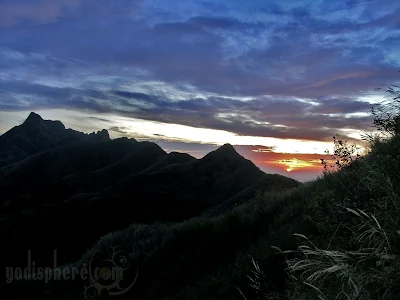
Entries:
{"x":295,"y":163}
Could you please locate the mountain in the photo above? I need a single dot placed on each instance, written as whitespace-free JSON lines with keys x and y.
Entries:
{"x":36,"y":135}
{"x":264,"y":248}
{"x":84,"y":186}
{"x":267,"y":184}
{"x":67,"y":170}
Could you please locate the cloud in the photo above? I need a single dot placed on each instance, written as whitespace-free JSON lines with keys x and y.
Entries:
{"x":252,"y":68}
{"x":341,"y":106}
{"x":300,"y":55}
{"x":21,"y":96}
{"x":284,"y":117}
{"x":31,"y":12}
{"x":222,"y":23}
{"x":40,"y":11}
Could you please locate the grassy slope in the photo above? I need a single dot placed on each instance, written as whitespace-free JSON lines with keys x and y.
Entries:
{"x":210,"y":257}
{"x":355,"y":254}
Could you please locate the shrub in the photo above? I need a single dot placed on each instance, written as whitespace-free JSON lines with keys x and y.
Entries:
{"x":343,"y":154}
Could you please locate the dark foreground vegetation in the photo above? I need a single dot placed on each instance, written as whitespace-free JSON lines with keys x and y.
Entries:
{"x":337,"y":237}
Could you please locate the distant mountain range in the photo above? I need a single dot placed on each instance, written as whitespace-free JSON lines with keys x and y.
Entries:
{"x":83,"y":186}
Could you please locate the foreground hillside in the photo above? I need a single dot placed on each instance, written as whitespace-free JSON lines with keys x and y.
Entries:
{"x":339,"y":238}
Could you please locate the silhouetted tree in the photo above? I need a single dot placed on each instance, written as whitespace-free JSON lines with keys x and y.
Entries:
{"x":343,"y":154}
{"x":387,"y":113}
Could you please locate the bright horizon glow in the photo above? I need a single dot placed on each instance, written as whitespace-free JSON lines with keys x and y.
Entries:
{"x":144,"y":129}
{"x":294,"y":163}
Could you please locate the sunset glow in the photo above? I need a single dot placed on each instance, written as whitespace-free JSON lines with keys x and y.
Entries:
{"x":143,"y":129}
{"x":294,"y":163}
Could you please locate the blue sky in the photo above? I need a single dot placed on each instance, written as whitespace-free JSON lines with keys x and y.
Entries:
{"x":283,"y":74}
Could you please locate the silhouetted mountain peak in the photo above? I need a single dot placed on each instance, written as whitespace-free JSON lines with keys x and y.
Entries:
{"x":34,"y":118}
{"x":102,"y":135}
{"x":37,"y":135}
{"x":226,"y":153}
{"x":35,"y":121}
{"x":226,"y":150}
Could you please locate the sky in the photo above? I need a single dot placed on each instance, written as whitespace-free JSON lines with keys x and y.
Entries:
{"x":276,"y":79}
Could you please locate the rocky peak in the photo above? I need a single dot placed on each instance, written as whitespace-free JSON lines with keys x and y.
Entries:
{"x":33,"y":118}
{"x":102,"y":135}
{"x":226,"y":150}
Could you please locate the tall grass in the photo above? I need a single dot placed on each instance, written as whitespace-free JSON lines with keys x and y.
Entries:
{"x":366,"y":263}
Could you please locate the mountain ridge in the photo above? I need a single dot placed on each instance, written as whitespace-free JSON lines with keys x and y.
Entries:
{"x":75,"y":182}
{"x":36,"y":135}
